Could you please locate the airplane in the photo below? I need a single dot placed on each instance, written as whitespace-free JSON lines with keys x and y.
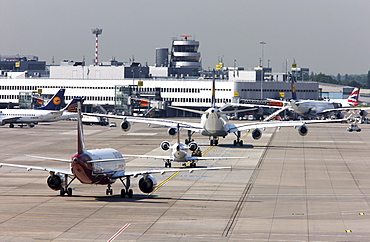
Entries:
{"x":33,"y":116}
{"x":98,"y":167}
{"x":179,"y":153}
{"x":352,"y":100}
{"x":69,"y":111}
{"x":214,"y":124}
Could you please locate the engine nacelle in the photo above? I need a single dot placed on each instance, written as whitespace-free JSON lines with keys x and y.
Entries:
{"x":125,"y":125}
{"x":193,"y":146}
{"x":172,"y":131}
{"x":256,"y":134}
{"x":303,"y":130}
{"x":55,"y":182}
{"x":340,"y":115}
{"x":363,"y":113}
{"x":165,"y":145}
{"x":147,"y":184}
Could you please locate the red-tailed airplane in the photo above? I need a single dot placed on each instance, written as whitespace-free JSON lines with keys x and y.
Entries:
{"x":99,"y":166}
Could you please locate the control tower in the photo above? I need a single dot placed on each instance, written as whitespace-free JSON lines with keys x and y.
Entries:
{"x":184,"y":53}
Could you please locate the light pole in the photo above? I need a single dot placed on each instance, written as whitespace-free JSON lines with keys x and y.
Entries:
{"x":262,"y":43}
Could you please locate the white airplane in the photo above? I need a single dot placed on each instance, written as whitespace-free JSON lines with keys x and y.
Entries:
{"x":179,"y":153}
{"x":70,"y":111}
{"x":214,"y":124}
{"x":33,"y":116}
{"x":98,"y":166}
{"x":352,"y":100}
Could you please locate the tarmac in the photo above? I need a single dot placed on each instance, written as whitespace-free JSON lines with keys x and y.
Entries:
{"x":283,"y":187}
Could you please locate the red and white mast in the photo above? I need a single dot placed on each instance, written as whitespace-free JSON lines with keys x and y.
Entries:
{"x":97,"y":32}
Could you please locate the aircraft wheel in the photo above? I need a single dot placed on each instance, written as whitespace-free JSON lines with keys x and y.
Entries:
{"x":234,"y":142}
{"x":109,"y":192}
{"x":165,"y":164}
{"x":211,"y":142}
{"x":187,"y":141}
{"x":130,"y":193}
{"x":62,"y":191}
{"x":241,"y":143}
{"x":69,"y":191}
{"x":11,"y":125}
{"x":216,"y":142}
{"x":123,"y":193}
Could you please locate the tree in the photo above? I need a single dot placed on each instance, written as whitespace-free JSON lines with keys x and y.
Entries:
{"x":339,"y":77}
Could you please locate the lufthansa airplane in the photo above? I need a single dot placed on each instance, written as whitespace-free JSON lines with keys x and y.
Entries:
{"x":31,"y":117}
{"x":98,"y":167}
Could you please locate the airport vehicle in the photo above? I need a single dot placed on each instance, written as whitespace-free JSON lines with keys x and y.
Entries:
{"x":31,"y":117}
{"x":214,"y":124}
{"x":353,"y":127}
{"x":179,"y":153}
{"x":98,"y":166}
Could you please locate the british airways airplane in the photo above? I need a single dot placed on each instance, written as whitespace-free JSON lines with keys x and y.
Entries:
{"x":98,"y":167}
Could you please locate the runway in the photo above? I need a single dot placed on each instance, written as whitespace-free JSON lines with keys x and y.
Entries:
{"x":284,"y":188}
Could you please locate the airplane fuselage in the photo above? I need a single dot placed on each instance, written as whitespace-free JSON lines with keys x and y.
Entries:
{"x":213,"y":123}
{"x":180,"y":152}
{"x":96,"y":173}
{"x":26,"y":116}
{"x":311,"y":108}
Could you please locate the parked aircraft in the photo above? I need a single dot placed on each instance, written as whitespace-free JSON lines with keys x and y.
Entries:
{"x":352,"y":100}
{"x":98,"y":166}
{"x":69,"y":111}
{"x":214,"y":124}
{"x":33,"y":116}
{"x":180,"y":153}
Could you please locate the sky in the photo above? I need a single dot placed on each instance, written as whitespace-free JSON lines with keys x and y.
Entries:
{"x":326,"y":36}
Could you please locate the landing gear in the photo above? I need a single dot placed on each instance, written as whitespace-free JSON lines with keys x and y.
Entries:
{"x":167,"y":163}
{"x":238,"y":141}
{"x":192,"y":165}
{"x":189,"y":139}
{"x":66,"y":190}
{"x":11,"y":126}
{"x":109,"y":190}
{"x":126,"y":191}
{"x":213,"y":141}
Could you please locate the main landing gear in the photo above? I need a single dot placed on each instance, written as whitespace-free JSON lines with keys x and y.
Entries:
{"x":167,"y":163}
{"x":189,"y":139}
{"x":66,"y":190}
{"x":126,"y":191}
{"x":238,"y":141}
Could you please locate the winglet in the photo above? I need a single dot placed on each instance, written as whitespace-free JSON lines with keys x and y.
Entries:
{"x":80,"y":136}
{"x":55,"y":102}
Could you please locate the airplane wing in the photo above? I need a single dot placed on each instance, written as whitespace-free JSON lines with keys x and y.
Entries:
{"x":190,"y":158}
{"x":41,"y":168}
{"x":158,"y":157}
{"x":168,"y":123}
{"x":9,"y":119}
{"x":261,"y":125}
{"x":344,"y":109}
{"x":120,"y":174}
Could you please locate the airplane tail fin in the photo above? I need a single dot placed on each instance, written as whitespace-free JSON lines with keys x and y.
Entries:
{"x":72,"y":106}
{"x":294,"y":94}
{"x":213,"y":100}
{"x":80,"y":136}
{"x":354,"y":96}
{"x":55,"y":102}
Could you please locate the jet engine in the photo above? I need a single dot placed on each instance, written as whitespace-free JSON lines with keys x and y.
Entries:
{"x":172,"y":131}
{"x":339,"y":115}
{"x":125,"y":125}
{"x":256,"y":134}
{"x":303,"y":130}
{"x":55,"y":182}
{"x":165,"y":145}
{"x":363,"y":113}
{"x":147,"y":184}
{"x":193,"y":146}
